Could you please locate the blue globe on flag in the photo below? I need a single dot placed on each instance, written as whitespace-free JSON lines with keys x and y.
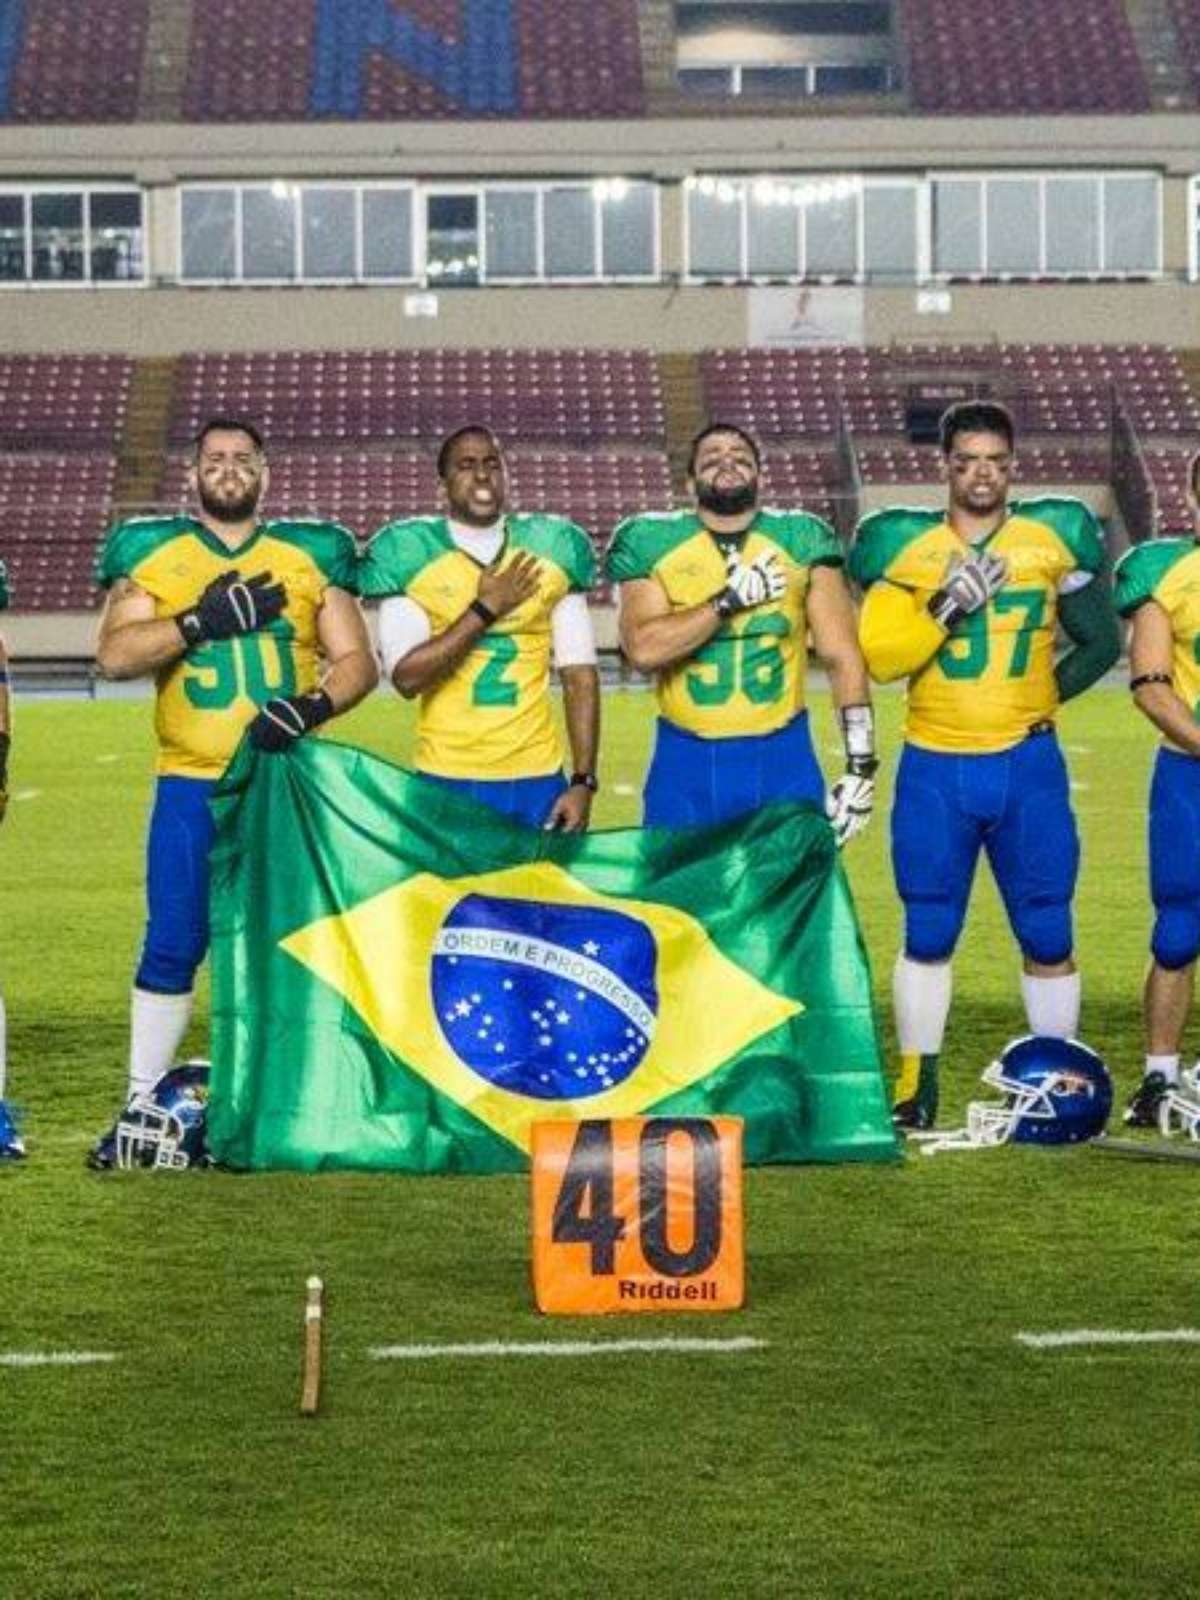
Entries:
{"x":553,"y":1001}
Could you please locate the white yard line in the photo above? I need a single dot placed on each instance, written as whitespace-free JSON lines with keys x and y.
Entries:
{"x":1083,"y":1336}
{"x":567,"y":1347}
{"x":55,"y":1358}
{"x":26,"y":794}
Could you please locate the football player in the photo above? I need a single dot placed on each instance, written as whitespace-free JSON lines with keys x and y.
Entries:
{"x":476,"y":602}
{"x":964,"y":604}
{"x":11,"y":1146}
{"x":717,"y":602}
{"x":1158,"y":585}
{"x":244,"y":625}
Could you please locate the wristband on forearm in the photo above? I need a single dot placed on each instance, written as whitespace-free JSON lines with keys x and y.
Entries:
{"x":858,"y":737}
{"x":484,"y":612}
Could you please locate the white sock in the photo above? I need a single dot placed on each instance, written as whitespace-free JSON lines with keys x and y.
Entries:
{"x":1167,"y":1065}
{"x":157,"y":1024}
{"x":1052,"y":1005}
{"x":921,"y":1000}
{"x":3,"y":1047}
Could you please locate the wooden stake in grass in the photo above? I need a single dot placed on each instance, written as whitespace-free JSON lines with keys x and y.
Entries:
{"x":314,"y":1302}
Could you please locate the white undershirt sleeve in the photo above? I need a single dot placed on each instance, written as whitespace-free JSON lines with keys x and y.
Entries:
{"x":571,"y":632}
{"x":403,"y":625}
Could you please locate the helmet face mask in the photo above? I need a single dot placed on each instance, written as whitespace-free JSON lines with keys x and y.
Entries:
{"x":165,"y":1129}
{"x":1055,"y":1091}
{"x":1179,"y":1108}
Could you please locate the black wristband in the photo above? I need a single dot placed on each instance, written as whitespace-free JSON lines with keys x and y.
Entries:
{"x":485,"y":613}
{"x":584,"y":780}
{"x":862,"y":766}
{"x":725,"y":604}
{"x":1148,"y":677}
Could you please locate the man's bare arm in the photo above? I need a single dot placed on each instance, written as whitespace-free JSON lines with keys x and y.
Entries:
{"x":652,"y":635}
{"x":132,"y":640}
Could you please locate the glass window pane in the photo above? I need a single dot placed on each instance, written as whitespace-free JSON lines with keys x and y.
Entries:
{"x":1132,"y":225}
{"x":957,"y":212}
{"x":775,"y":83}
{"x":706,"y":80}
{"x":328,"y":233}
{"x":870,"y":78}
{"x":388,"y":233}
{"x":12,"y":237}
{"x":452,"y":239}
{"x":890,"y":231}
{"x":715,"y":232}
{"x":627,"y":223}
{"x":772,"y":236}
{"x":269,"y":233}
{"x":207,"y":225}
{"x":831,"y":237}
{"x":511,"y":232}
{"x":57,"y":236}
{"x":116,"y":235}
{"x":1013,"y":234}
{"x":1072,"y":225}
{"x":569,"y":221}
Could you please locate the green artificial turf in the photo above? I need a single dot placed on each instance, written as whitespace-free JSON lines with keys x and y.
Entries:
{"x":890,"y":1438}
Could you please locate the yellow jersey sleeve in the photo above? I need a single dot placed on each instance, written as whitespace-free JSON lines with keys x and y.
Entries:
{"x":748,"y":678}
{"x":205,"y":699}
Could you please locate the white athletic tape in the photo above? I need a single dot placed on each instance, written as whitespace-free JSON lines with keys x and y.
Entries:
{"x":1077,"y":1336}
{"x":567,"y":1347}
{"x":312,"y":1313}
{"x":55,"y":1358}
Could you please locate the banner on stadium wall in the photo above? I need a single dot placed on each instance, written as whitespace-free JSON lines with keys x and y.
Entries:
{"x":790,"y":318}
{"x":405,"y":980}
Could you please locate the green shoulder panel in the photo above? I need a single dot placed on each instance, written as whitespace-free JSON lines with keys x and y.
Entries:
{"x":640,"y":543}
{"x":4,"y":591}
{"x":1073,"y":522}
{"x":555,"y":539}
{"x":883,"y":535}
{"x":398,"y":551}
{"x":330,"y":546}
{"x":807,"y":539}
{"x":130,"y":543}
{"x":1140,"y":571}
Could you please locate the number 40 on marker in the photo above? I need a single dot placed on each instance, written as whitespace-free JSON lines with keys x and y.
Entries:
{"x":638,"y":1214}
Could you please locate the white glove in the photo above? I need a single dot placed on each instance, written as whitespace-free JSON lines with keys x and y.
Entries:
{"x":848,"y":805}
{"x":750,"y":584}
{"x":970,"y":584}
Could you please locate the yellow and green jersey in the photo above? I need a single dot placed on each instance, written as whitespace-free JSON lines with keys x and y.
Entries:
{"x":749,"y":677}
{"x":206,"y":697}
{"x":984,"y":685}
{"x":490,"y":718}
{"x":1167,"y":571}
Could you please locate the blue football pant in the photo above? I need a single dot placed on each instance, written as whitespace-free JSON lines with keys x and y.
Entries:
{"x":526,"y":800}
{"x":696,"y":783}
{"x":181,"y":835}
{"x":1015,"y":805}
{"x":1174,"y":829}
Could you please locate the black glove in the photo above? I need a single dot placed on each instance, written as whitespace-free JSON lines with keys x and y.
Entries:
{"x":287,"y":718}
{"x":231,"y":605}
{"x":5,"y":741}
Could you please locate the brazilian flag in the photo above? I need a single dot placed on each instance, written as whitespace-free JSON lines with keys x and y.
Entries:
{"x":403,"y":979}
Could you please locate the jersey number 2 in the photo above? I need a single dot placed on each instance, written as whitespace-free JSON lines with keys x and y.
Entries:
{"x":491,"y":687}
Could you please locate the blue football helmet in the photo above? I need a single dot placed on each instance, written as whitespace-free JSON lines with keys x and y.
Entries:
{"x":166,"y":1127}
{"x":1056,"y":1091}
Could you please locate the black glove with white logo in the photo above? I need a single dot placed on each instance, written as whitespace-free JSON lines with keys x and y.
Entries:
{"x":287,"y":718}
{"x":232,"y":605}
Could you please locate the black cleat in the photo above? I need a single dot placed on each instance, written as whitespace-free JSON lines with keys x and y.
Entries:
{"x":102,"y":1157}
{"x":1142,"y":1109}
{"x":914,"y":1116}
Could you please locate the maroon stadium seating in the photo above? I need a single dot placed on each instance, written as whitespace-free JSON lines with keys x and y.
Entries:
{"x":339,"y":397}
{"x":62,"y":402}
{"x":1022,"y":55}
{"x":78,"y":62}
{"x":55,"y":508}
{"x":1186,"y":15}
